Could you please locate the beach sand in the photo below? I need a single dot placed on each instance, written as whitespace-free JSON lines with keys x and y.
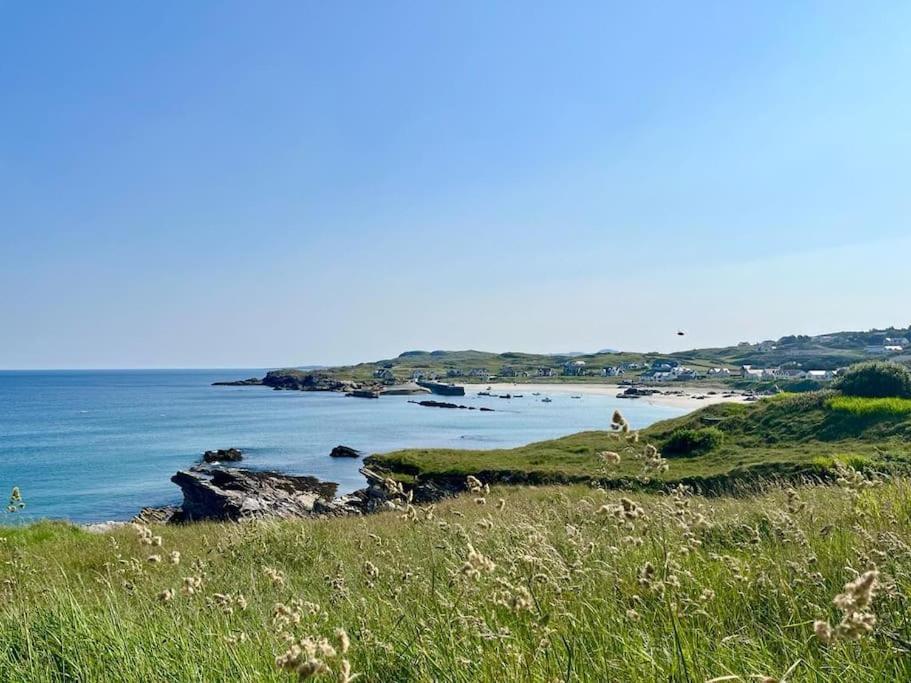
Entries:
{"x":687,"y":397}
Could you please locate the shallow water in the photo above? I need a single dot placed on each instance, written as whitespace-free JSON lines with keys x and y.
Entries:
{"x":99,"y":445}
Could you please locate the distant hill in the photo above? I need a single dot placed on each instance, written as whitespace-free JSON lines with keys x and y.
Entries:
{"x":820,"y":352}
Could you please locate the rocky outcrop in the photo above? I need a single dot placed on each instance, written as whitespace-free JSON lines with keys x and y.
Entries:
{"x":235,"y":494}
{"x":251,"y":381}
{"x":223,"y":455}
{"x":444,"y":404}
{"x":298,"y":380}
{"x":344,"y":452}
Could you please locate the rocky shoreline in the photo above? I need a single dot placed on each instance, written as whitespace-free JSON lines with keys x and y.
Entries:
{"x":215,"y":492}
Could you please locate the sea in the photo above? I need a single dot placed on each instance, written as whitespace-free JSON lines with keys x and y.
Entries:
{"x":91,"y":446}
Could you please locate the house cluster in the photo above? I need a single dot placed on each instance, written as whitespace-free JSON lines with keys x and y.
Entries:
{"x":664,"y":370}
{"x":749,"y":372}
{"x":889,"y":345}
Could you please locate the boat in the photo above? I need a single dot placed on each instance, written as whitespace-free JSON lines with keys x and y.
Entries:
{"x":536,"y":393}
{"x":506,"y":396}
{"x":547,"y":399}
{"x":517,"y":396}
{"x":483,"y":393}
{"x":575,"y":397}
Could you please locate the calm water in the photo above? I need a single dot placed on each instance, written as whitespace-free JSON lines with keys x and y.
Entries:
{"x":91,"y":446}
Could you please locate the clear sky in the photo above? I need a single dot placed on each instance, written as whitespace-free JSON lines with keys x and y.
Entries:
{"x":230,"y":184}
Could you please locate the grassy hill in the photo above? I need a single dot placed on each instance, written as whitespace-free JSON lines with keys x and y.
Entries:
{"x":787,"y":435}
{"x":548,"y":584}
{"x":821,"y":352}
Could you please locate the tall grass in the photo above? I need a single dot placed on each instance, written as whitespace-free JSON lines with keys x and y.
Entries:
{"x":545,"y":584}
{"x":860,"y":406}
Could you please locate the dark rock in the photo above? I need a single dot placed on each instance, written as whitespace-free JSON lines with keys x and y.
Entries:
{"x":305,"y":381}
{"x":344,"y":452}
{"x":223,"y":455}
{"x":235,"y":494}
{"x":251,"y":381}
{"x":444,"y":404}
{"x":161,"y":515}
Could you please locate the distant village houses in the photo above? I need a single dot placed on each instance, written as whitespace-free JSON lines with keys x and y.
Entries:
{"x":574,"y":368}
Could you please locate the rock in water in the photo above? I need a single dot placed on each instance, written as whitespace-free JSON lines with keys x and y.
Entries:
{"x":235,"y":494}
{"x":224,"y":455}
{"x":345,"y":452}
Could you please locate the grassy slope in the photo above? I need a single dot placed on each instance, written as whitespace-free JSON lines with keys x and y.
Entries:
{"x":783,"y":435}
{"x":83,"y":607}
{"x":826,"y":352}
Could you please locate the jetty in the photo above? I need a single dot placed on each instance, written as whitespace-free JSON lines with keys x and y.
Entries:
{"x":442,"y":389}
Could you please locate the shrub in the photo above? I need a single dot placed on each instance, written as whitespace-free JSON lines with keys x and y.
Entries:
{"x":876,"y":380}
{"x":860,"y":406}
{"x":687,"y":441}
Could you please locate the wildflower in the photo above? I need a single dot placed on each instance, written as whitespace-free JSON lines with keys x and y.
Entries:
{"x":343,"y":641}
{"x":275,"y":576}
{"x":853,"y":601}
{"x":166,"y":595}
{"x":473,"y":484}
{"x":477,"y":564}
{"x":15,"y":500}
{"x":610,"y":457}
{"x":632,"y":615}
{"x":344,"y":672}
{"x":480,"y":500}
{"x":235,"y":638}
{"x":156,"y":541}
{"x":154,"y":559}
{"x":307,"y":658}
{"x":501,"y":503}
{"x":174,"y":557}
{"x":191,"y":584}
{"x":371,"y":569}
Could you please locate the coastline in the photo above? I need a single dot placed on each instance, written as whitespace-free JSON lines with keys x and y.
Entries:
{"x":688,"y":398}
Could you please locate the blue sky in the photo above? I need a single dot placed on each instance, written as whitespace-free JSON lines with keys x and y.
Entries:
{"x":258,"y":184}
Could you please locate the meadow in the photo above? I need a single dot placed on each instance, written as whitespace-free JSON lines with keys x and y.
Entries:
{"x":555,"y":583}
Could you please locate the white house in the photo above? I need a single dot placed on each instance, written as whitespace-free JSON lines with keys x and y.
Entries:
{"x":820,"y":375}
{"x":749,"y":372}
{"x":719,"y":372}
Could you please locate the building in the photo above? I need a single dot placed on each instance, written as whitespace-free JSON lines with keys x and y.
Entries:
{"x":574,"y":368}
{"x":454,"y":372}
{"x":820,"y":375}
{"x":749,"y":372}
{"x":508,"y":372}
{"x":719,"y":372}
{"x":614,"y":371}
{"x":384,"y":374}
{"x":545,"y":372}
{"x":483,"y":373}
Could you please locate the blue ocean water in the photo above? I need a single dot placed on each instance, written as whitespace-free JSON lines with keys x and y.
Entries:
{"x":99,"y":445}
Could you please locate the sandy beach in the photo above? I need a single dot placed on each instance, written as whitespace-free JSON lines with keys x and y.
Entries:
{"x":683,"y":396}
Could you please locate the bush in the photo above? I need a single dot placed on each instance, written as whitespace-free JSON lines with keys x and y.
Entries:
{"x":861,"y":406}
{"x":687,"y":441}
{"x":876,"y":380}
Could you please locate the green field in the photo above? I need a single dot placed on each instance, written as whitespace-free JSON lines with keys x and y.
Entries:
{"x":535,"y":584}
{"x":786,"y":436}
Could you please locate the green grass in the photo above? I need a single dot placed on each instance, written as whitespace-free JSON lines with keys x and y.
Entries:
{"x":856,"y":405}
{"x":786,"y":436}
{"x":563,"y":601}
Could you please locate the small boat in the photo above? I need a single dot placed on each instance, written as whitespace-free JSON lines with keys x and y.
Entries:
{"x":547,"y":399}
{"x":575,"y":397}
{"x":517,"y":396}
{"x":483,"y":393}
{"x":506,"y":396}
{"x":536,"y":393}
